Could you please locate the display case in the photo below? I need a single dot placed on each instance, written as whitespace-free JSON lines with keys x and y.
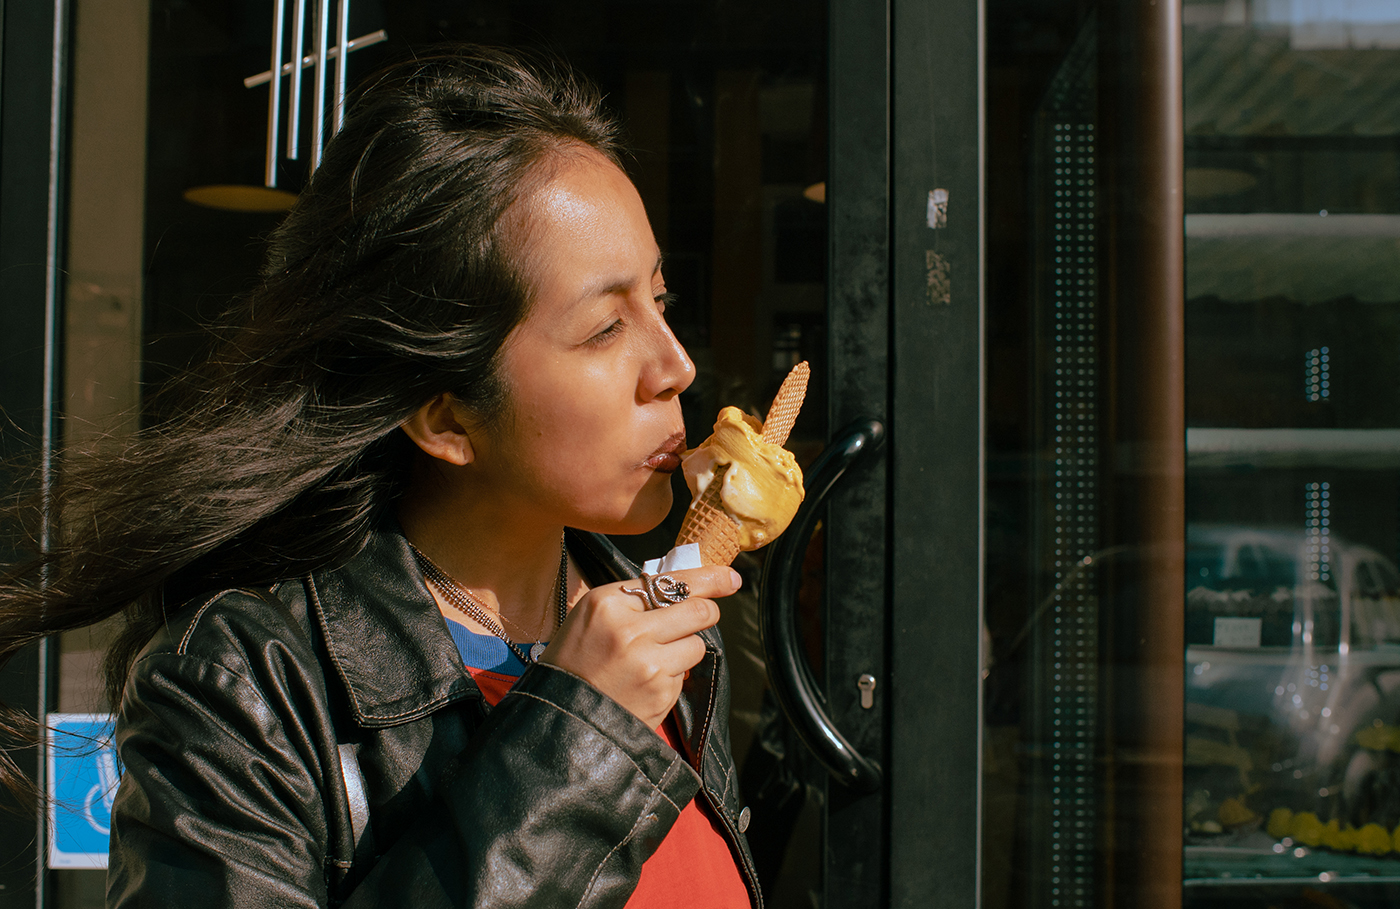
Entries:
{"x":1291,"y":777}
{"x":1193,"y":455}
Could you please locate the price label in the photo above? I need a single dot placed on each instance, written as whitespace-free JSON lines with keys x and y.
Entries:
{"x":1238,"y":632}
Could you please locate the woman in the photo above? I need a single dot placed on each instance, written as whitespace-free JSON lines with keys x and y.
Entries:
{"x":335,"y":560}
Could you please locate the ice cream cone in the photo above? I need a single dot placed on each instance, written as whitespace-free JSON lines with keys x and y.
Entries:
{"x":706,"y":522}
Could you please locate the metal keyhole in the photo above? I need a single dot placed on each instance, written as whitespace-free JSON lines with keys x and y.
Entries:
{"x":866,"y":684}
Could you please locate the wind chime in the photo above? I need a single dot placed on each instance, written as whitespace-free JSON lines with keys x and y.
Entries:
{"x":299,"y":58}
{"x":321,"y":52}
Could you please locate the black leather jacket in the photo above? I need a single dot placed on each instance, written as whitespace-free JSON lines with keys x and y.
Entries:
{"x":252,"y":717}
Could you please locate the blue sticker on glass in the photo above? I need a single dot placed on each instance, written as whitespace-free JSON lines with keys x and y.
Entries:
{"x":83,"y":776}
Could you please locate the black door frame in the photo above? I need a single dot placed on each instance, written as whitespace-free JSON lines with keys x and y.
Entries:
{"x":937,"y":455}
{"x":855,"y":874}
{"x":33,"y":86}
{"x":904,"y":539}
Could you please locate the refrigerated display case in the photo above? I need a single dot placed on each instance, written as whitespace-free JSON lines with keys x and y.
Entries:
{"x":1291,"y":772}
{"x":1266,"y":380}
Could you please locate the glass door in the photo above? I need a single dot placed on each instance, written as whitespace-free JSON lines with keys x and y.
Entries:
{"x":1293,"y":493}
{"x":1193,"y":523}
{"x":801,"y":219}
{"x":1085,"y":457}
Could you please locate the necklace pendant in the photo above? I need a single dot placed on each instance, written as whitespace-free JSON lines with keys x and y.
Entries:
{"x":536,"y":651}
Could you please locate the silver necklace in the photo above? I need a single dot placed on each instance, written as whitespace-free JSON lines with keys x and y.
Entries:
{"x":461,"y":599}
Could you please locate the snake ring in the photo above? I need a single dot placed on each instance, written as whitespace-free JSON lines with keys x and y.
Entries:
{"x":660,"y":590}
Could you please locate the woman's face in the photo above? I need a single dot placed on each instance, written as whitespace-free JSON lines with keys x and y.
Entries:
{"x":592,"y":428}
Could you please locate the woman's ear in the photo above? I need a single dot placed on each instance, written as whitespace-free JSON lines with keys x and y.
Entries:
{"x":439,"y":428}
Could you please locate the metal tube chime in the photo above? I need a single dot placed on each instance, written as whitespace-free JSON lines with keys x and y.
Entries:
{"x":318,"y":122}
{"x":321,"y":53}
{"x":342,"y":50}
{"x":294,"y":109}
{"x":274,"y":96}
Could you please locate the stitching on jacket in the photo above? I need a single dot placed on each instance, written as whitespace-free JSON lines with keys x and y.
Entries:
{"x":646,"y":811}
{"x":666,"y":779}
{"x":194,"y":622}
{"x":326,"y":636}
{"x":368,"y":720}
{"x":570,"y":713}
{"x":709,"y":713}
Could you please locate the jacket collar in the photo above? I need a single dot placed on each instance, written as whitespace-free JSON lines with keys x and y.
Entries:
{"x":392,"y":650}
{"x":385,"y":635}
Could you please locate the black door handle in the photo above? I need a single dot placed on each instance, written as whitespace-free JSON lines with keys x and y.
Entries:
{"x":797,"y":691}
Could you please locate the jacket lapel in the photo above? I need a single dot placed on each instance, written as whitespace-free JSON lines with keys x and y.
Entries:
{"x":385,"y":635}
{"x":391,"y":649}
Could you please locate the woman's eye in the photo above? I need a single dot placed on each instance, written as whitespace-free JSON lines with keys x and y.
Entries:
{"x":605,"y":334}
{"x":664,"y":301}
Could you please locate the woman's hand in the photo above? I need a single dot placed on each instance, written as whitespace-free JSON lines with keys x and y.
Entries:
{"x":637,"y":656}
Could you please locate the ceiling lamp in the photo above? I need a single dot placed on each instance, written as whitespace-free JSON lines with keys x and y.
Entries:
{"x":237,"y":197}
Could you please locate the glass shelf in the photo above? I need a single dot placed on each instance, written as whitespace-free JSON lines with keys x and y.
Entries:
{"x":1307,"y":258}
{"x":1316,"y":225}
{"x":1355,"y":449}
{"x":1259,"y":859}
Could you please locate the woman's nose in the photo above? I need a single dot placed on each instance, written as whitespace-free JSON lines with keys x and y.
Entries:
{"x":669,"y":369}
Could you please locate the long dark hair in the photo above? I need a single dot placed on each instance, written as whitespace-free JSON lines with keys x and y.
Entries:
{"x":391,"y":281}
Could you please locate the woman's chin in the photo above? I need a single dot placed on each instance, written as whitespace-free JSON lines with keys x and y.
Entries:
{"x":648,"y":509}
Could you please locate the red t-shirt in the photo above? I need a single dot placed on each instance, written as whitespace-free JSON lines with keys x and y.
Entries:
{"x":693,"y":866}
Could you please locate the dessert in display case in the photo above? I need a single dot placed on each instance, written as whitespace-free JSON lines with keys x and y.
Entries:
{"x":1292,"y":756}
{"x":1292,"y":764}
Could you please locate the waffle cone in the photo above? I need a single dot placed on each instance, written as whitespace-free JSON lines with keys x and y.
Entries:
{"x":706,"y":521}
{"x":707,"y":524}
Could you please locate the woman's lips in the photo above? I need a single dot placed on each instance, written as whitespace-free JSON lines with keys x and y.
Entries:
{"x":667,"y":458}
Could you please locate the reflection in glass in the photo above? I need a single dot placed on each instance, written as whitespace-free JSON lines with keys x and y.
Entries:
{"x":1291,"y":607}
{"x":1293,"y":504}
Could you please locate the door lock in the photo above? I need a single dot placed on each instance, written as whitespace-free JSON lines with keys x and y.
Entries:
{"x":866,"y":684}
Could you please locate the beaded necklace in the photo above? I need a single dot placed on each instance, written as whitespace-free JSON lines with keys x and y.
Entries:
{"x":461,"y":599}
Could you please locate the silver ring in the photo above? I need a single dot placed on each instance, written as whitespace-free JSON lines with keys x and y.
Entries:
{"x":660,"y":590}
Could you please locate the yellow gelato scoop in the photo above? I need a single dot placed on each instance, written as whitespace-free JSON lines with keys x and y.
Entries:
{"x":762,"y":487}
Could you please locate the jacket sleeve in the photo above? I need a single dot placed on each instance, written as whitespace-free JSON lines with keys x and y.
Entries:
{"x":219,"y":803}
{"x":557,"y":800}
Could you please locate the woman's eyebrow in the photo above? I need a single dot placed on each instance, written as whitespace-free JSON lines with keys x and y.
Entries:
{"x":613,"y":285}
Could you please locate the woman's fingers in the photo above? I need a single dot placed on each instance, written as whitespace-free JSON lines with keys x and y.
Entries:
{"x":674,"y":621}
{"x":697,"y":610}
{"x":708,"y":581}
{"x":681,"y":620}
{"x":635,"y":654}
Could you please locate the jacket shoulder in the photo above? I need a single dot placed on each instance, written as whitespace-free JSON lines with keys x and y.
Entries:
{"x":232,"y":624}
